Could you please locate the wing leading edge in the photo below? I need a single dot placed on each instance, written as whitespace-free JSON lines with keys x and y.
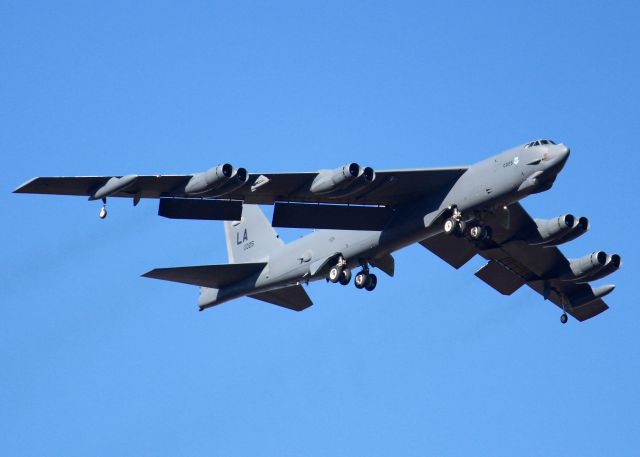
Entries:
{"x":389,"y":187}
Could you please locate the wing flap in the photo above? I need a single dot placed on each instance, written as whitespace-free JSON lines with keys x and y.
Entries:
{"x":453,"y":250}
{"x":214,"y":276}
{"x":293,"y":297}
{"x":338,"y":217}
{"x":214,"y":210}
{"x":500,"y":278}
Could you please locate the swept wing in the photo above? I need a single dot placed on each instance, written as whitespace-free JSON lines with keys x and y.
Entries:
{"x":514,"y":262}
{"x":390,"y":187}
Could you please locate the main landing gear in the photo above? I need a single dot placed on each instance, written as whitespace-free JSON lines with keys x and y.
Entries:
{"x":340,"y":273}
{"x":473,"y":229}
{"x":366,"y":280}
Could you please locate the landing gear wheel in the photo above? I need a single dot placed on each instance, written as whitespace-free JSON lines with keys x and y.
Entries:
{"x":476,"y":232}
{"x":335,"y":273}
{"x":564,"y":318}
{"x":487,"y":233}
{"x":103,"y":212}
{"x":360,"y":280}
{"x":461,"y":227}
{"x":450,"y":226}
{"x":371,"y":282}
{"x":345,"y":277}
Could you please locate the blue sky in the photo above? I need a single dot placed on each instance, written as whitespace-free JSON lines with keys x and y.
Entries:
{"x":96,"y":360}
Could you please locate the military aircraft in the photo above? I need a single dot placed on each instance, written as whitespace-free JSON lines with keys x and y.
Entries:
{"x":364,"y":216}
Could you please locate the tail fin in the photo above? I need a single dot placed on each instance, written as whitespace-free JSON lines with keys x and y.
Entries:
{"x":252,"y":238}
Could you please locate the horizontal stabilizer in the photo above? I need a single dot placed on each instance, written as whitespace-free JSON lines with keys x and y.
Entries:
{"x":500,"y":278}
{"x":453,"y":250}
{"x":216,"y":210}
{"x":338,"y":217}
{"x":214,"y":276}
{"x":293,"y":297}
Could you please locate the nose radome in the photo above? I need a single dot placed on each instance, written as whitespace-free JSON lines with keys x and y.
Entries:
{"x":564,"y":149}
{"x":563,"y":152}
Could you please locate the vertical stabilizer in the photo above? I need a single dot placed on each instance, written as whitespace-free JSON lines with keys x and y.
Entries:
{"x":252,"y":238}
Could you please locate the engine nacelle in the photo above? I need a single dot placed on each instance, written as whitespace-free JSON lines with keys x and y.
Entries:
{"x":581,"y":226}
{"x":330,"y":181}
{"x":612,"y":264}
{"x":238,"y":179}
{"x":365,"y":178}
{"x":219,"y":178}
{"x":551,"y":230}
{"x":586,"y":266}
{"x":560,"y":230}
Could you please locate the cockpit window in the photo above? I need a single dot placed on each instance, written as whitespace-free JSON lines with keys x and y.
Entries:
{"x":538,"y":143}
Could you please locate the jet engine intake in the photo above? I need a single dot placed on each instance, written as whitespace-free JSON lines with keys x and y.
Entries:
{"x":222,"y":179}
{"x":586,"y":266}
{"x":365,"y":178}
{"x":328,"y":181}
{"x":345,"y":180}
{"x":612,"y":264}
{"x":560,"y":230}
{"x":581,"y":226}
{"x":554,"y":229}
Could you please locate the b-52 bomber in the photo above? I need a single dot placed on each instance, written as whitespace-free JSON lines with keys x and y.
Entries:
{"x":362,"y":217}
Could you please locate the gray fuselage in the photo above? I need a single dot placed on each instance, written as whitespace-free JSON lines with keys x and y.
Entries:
{"x":486,"y":185}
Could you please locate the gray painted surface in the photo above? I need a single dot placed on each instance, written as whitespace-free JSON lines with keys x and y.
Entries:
{"x":485,"y":194}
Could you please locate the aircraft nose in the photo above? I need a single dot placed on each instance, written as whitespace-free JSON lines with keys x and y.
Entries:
{"x":560,"y":154}
{"x":564,"y":152}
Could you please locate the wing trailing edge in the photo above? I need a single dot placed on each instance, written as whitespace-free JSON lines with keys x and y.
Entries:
{"x":500,"y":277}
{"x":338,"y":217}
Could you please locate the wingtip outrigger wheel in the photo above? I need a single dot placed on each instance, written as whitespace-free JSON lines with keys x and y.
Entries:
{"x":563,"y":317}
{"x":103,"y":210}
